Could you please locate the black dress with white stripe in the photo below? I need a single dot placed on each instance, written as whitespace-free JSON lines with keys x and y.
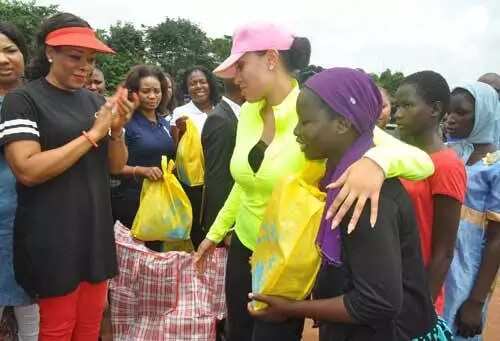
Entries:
{"x":63,"y":230}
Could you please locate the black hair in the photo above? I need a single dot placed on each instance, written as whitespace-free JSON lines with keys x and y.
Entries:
{"x":490,"y":75}
{"x":492,"y":79}
{"x":138,"y":72}
{"x":298,"y":56}
{"x":432,"y":87}
{"x":170,"y":106}
{"x":212,"y":83}
{"x":40,"y":66}
{"x":307,"y":73}
{"x":12,"y":32}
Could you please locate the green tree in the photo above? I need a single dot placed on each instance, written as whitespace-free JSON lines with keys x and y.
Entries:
{"x":220,"y":48}
{"x":130,"y":47}
{"x":176,"y":44}
{"x":26,"y":15}
{"x":389,"y":80}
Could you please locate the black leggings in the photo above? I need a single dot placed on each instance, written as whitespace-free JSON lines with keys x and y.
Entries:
{"x":241,"y":326}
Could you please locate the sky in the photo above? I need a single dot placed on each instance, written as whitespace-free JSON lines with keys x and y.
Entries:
{"x":458,"y":38}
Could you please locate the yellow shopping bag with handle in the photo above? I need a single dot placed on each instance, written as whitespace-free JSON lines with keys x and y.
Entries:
{"x":286,"y":260}
{"x":164,"y":212}
{"x":189,"y":159}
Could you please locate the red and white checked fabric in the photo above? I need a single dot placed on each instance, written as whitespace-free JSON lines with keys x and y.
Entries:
{"x":161,"y":296}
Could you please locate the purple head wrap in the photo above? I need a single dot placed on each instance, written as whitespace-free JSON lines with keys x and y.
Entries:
{"x":352,"y":94}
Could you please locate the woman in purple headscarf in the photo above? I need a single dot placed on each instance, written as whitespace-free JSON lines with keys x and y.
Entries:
{"x":372,"y":283}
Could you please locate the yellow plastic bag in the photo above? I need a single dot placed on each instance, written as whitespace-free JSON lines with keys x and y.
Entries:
{"x":164,"y":212}
{"x":189,"y":160}
{"x":286,"y":260}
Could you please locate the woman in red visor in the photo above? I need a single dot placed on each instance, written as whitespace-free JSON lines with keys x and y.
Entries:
{"x":62,"y":142}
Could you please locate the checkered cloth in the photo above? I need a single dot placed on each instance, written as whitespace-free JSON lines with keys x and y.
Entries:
{"x":161,"y":296}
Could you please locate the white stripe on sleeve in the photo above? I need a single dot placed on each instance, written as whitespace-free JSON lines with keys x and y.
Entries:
{"x":18,"y":130}
{"x":18,"y":122}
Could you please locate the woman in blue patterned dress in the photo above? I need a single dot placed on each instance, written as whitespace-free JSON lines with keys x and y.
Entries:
{"x":477,"y":250}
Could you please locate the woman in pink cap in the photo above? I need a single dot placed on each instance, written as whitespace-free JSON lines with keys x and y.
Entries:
{"x":62,"y":141}
{"x":263,"y":61}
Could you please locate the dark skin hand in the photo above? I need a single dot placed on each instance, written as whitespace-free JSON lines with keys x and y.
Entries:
{"x":279,"y":309}
{"x":469,"y":319}
{"x":444,"y":234}
{"x":276,"y":311}
{"x":179,"y":129}
{"x":469,"y":316}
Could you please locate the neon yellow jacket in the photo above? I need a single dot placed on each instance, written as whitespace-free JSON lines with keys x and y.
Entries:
{"x":245,"y":206}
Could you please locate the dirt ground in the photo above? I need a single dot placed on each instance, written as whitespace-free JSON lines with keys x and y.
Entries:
{"x":492,"y":327}
{"x":493,"y":324}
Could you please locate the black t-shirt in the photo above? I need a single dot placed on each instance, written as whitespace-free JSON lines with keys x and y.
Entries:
{"x":63,"y":231}
{"x":382,"y":276}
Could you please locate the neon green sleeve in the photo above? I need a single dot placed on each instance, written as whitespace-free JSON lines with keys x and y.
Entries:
{"x":398,"y":159}
{"x":227,"y":216}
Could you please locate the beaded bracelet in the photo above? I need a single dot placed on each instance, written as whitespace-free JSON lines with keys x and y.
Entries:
{"x":87,"y":136}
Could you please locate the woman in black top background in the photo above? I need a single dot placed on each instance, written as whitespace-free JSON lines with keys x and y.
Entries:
{"x":62,"y":141}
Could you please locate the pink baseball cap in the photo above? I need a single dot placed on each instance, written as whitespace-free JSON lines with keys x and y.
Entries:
{"x":251,"y":38}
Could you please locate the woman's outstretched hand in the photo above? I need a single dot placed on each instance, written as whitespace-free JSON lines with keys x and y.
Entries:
{"x":206,"y":248}
{"x":360,"y":182}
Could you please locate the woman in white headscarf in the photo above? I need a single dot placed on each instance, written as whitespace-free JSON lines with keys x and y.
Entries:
{"x":477,"y":250}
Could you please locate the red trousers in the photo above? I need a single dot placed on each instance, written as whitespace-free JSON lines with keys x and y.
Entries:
{"x":75,"y":316}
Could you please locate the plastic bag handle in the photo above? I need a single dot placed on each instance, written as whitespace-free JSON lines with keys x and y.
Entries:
{"x":167,"y":166}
